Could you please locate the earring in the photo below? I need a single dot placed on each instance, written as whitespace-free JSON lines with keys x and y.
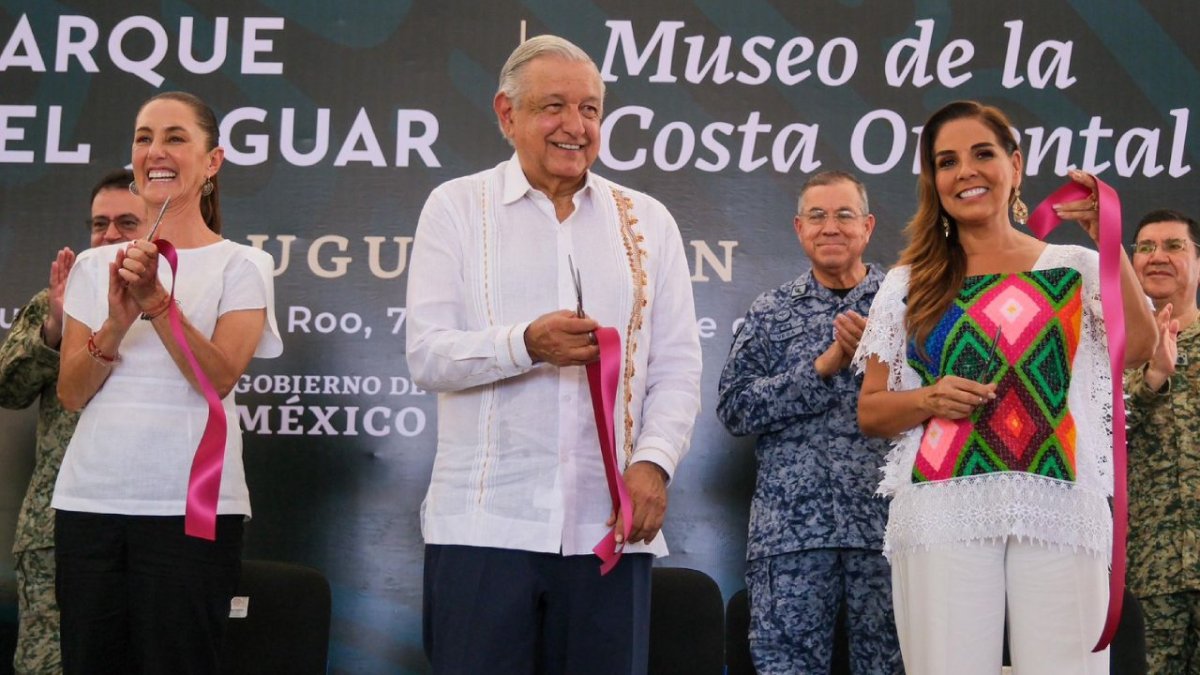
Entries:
{"x":207,"y":188}
{"x":945,"y":227}
{"x":1020,"y":212}
{"x":133,"y":188}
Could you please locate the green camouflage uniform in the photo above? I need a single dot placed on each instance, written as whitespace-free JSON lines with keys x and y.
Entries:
{"x":28,"y":373}
{"x":1164,"y":509}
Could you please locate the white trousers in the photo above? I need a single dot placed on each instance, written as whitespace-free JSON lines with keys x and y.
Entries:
{"x":950,"y":608}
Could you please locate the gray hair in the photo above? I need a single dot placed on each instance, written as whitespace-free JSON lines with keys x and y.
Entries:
{"x":830,"y":178}
{"x":511,"y":79}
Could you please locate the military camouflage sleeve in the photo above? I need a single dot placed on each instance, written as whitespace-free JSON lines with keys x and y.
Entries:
{"x":762,"y":390}
{"x":1140,"y":398}
{"x":27,"y":365}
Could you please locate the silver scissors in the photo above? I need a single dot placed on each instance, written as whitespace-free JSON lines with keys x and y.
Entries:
{"x":987,"y":367}
{"x":158,"y":221}
{"x":578,"y":288}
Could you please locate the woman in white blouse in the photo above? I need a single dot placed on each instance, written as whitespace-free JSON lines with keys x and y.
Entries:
{"x":138,"y":595}
{"x":986,"y":359}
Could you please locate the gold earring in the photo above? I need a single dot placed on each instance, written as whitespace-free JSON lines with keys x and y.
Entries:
{"x":1020,"y":212}
{"x":207,"y":188}
{"x":945,"y":227}
{"x":133,"y":188}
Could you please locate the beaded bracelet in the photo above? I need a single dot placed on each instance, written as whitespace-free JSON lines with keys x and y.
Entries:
{"x":98,"y":355}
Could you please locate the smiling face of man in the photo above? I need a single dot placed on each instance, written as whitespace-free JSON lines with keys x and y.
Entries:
{"x":1167,"y":263}
{"x":834,"y":230}
{"x":555,"y":122}
{"x":117,"y":215}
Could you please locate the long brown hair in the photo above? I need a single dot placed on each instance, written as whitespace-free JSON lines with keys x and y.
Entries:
{"x":937,"y":262}
{"x":206,"y":119}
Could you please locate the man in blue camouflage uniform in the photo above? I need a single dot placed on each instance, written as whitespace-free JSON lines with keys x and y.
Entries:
{"x":1164,"y":447}
{"x":29,"y":372}
{"x":816,"y":531}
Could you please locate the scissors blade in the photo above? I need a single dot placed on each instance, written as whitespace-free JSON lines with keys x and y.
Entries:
{"x":578,"y":287}
{"x":158,"y":221}
{"x":987,"y":367}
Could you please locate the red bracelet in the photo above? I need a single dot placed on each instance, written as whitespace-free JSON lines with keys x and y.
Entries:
{"x":100,"y":356}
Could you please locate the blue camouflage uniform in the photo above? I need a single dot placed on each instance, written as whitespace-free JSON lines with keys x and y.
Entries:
{"x":816,"y":529}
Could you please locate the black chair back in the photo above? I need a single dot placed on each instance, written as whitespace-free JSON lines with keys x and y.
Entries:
{"x":737,"y":635}
{"x":687,"y":623}
{"x":284,"y":624}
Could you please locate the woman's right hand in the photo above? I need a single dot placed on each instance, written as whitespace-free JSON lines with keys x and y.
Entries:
{"x":123,"y":310}
{"x":954,"y":397}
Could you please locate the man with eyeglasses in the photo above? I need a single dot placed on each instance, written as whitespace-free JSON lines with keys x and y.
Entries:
{"x":1164,"y":446}
{"x":816,"y":531}
{"x":29,"y":372}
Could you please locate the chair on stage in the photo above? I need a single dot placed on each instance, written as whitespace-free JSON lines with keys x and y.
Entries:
{"x":737,"y":635}
{"x":8,"y":634}
{"x":1127,"y":654}
{"x":279,"y":621}
{"x":687,"y":623}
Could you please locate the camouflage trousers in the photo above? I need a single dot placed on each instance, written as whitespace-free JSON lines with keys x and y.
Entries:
{"x":1172,"y":633}
{"x":37,"y":631}
{"x":795,"y":599}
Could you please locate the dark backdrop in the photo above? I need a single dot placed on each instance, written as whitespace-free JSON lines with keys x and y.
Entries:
{"x":339,"y":118}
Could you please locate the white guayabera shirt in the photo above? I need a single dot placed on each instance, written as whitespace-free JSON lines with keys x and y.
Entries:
{"x":518,"y":464}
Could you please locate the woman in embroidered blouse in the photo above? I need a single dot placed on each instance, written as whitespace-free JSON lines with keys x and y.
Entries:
{"x":136,"y":594}
{"x":985,"y":357}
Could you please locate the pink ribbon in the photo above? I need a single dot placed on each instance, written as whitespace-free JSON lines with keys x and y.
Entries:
{"x":204,"y":483}
{"x":1041,"y":223}
{"x":603,"y":376}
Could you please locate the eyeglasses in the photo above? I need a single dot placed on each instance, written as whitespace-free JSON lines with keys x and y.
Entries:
{"x":124,"y":223}
{"x":1169,"y":246}
{"x":844,"y":217}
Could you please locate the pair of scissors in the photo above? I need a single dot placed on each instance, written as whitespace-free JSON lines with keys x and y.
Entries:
{"x":578,"y":288}
{"x":158,"y":221}
{"x":987,"y":367}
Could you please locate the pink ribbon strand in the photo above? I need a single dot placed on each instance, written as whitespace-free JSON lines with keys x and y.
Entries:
{"x":1041,"y":223}
{"x":603,"y":376}
{"x":204,"y":482}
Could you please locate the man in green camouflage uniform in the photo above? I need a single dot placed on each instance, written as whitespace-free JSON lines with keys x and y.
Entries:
{"x":28,"y":373}
{"x":1164,"y":447}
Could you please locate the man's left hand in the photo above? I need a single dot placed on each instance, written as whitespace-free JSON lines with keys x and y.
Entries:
{"x":647,"y":486}
{"x":848,"y":330}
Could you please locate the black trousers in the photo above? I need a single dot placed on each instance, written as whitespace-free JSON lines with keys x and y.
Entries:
{"x":491,"y":610}
{"x":137,"y":595}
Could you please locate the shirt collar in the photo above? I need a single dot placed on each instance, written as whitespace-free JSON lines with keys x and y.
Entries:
{"x":516,"y":185}
{"x":807,"y":284}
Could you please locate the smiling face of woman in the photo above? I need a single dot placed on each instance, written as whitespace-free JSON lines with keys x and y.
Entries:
{"x":974,"y":175}
{"x":171,"y":152}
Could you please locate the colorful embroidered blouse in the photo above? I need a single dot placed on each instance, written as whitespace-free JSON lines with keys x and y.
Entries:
{"x":1021,"y":332}
{"x":1036,"y":461}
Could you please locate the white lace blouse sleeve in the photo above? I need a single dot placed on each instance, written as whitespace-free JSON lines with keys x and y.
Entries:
{"x":885,"y":338}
